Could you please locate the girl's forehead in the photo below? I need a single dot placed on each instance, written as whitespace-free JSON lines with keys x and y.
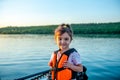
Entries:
{"x":64,"y":35}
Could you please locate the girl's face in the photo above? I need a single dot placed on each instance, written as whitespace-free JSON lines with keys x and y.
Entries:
{"x":63,"y":41}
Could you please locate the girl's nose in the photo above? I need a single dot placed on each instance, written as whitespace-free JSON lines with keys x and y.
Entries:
{"x":62,"y":41}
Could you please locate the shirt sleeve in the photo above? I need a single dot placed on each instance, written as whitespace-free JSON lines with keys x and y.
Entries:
{"x":75,"y":58}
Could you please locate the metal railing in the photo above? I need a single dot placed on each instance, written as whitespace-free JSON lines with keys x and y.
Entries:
{"x":47,"y":74}
{"x":37,"y":76}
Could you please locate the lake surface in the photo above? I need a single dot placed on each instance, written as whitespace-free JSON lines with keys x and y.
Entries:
{"x":22,"y":55}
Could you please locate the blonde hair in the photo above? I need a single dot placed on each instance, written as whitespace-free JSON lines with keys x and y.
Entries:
{"x":61,"y":29}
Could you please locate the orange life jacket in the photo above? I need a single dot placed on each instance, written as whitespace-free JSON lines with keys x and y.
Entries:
{"x":58,"y":72}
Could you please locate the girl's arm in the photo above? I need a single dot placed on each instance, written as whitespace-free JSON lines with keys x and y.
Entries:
{"x":74,"y":62}
{"x":77,"y":68}
{"x":50,"y":61}
{"x":50,"y":64}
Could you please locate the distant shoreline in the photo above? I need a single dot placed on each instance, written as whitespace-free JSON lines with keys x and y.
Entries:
{"x":79,"y":29}
{"x":75,"y":35}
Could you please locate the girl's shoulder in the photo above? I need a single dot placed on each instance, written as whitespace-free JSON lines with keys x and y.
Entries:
{"x":75,"y":58}
{"x":56,"y":51}
{"x":75,"y":54}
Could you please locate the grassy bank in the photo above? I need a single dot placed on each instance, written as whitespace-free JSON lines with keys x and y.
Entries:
{"x":91,"y":28}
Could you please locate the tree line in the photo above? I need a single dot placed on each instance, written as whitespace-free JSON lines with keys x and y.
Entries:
{"x":88,"y":28}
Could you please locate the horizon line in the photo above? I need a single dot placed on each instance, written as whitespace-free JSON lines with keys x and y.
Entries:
{"x":58,"y":24}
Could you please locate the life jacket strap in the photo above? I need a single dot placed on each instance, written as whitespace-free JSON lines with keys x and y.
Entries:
{"x":57,"y":69}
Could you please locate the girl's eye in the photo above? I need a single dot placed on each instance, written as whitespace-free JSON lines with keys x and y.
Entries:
{"x":66,"y":39}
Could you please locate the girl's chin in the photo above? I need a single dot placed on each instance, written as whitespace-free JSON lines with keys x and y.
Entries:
{"x":63,"y":48}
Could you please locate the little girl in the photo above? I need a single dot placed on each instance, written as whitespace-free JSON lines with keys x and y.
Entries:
{"x":64,"y":62}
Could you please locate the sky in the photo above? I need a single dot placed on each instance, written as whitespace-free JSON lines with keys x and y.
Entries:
{"x":52,"y":12}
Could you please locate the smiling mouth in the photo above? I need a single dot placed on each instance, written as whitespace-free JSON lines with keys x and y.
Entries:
{"x":63,"y":45}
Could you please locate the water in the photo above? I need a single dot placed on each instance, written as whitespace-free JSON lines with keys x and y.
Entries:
{"x":22,"y":55}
